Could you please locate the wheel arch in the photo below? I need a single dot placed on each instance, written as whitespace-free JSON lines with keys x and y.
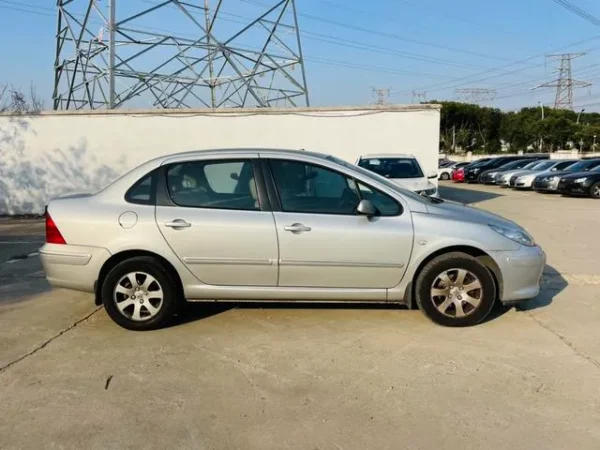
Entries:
{"x":128,"y":254}
{"x":475,"y":252}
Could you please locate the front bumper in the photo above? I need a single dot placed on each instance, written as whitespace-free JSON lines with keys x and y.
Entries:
{"x":523,"y":184}
{"x":521,"y":272}
{"x":545,"y":186}
{"x":502,"y":181}
{"x":73,"y":266}
{"x":571,"y":188}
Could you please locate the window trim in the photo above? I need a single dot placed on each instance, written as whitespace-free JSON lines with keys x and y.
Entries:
{"x":153,"y":184}
{"x":273,"y":191}
{"x":165,"y":198}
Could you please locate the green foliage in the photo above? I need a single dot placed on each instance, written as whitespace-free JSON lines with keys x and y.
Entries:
{"x":487,"y":130}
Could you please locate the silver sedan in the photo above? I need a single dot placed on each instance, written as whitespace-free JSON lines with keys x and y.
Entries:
{"x":275,"y":225}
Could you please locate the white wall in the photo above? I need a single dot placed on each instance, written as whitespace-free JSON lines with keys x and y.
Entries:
{"x":46,"y":155}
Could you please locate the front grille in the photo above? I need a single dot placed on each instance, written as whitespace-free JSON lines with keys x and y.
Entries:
{"x":562,"y":184}
{"x":513,"y":180}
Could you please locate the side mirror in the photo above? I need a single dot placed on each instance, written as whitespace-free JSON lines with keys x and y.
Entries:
{"x":366,"y":208}
{"x":234,"y":176}
{"x":432,"y":174}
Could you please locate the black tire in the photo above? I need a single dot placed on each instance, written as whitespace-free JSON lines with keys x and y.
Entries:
{"x":444,"y":176}
{"x":150,"y":266}
{"x":447,"y":262}
{"x":595,"y":191}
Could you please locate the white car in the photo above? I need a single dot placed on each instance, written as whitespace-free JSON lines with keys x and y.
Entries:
{"x":402,"y":169}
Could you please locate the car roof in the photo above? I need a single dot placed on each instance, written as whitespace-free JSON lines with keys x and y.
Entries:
{"x":387,"y":155}
{"x":239,"y":151}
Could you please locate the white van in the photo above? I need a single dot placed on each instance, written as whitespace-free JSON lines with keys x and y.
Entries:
{"x":402,"y":169}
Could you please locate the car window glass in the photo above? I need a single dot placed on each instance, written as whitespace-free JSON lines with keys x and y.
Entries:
{"x":213,"y":184}
{"x":396,"y":168}
{"x":563,"y":165}
{"x":307,"y":188}
{"x":544,"y":165}
{"x":385,"y":204}
{"x":142,"y":192}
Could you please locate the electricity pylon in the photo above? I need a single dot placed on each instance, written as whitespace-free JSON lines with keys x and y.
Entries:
{"x":109,"y":55}
{"x":565,"y":83}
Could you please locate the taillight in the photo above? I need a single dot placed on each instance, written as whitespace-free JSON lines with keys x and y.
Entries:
{"x":53,"y":235}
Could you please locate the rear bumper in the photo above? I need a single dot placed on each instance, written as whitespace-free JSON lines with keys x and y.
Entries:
{"x":73,"y":266}
{"x":521,"y":273}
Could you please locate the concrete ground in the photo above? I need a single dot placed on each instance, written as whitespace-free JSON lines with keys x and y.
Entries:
{"x":311,"y":377}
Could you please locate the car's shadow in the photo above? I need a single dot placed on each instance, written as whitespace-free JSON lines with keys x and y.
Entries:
{"x":553,"y":283}
{"x":465,"y":195}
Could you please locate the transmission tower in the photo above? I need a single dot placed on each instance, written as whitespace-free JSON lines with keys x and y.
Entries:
{"x":565,"y":83}
{"x":109,"y":55}
{"x":419,"y":97}
{"x":475,"y":95}
{"x":381,"y":95}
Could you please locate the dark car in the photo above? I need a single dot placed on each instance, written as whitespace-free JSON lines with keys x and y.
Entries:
{"x":581,"y":183}
{"x":472,"y":173}
{"x":549,"y":182}
{"x":489,"y":176}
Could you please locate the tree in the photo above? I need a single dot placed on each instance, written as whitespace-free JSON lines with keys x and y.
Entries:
{"x":13,"y":100}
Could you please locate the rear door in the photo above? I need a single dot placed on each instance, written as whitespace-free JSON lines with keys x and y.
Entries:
{"x":323,"y":243}
{"x":216,"y":221}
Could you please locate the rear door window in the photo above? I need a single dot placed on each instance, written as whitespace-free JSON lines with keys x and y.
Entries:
{"x":221,"y":184}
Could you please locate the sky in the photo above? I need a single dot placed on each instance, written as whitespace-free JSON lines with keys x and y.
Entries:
{"x":350,"y":47}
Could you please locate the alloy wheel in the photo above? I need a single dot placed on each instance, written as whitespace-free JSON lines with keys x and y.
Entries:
{"x":456,"y":293}
{"x":596,"y":190}
{"x":138,"y":296}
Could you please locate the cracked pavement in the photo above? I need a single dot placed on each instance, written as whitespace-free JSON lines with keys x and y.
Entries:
{"x":311,"y":377}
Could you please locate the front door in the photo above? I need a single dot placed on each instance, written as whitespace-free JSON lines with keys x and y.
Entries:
{"x":217,"y":227}
{"x":324,"y":243}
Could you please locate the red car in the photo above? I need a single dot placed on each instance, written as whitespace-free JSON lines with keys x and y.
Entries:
{"x":458,"y":176}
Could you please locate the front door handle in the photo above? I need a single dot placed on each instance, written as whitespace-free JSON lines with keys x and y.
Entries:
{"x":297,"y":228}
{"x":178,"y":223}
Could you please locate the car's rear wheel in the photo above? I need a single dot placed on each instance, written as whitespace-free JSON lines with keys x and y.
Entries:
{"x":444,"y":176}
{"x":595,"y":191}
{"x":455,"y":290}
{"x":140,"y":294}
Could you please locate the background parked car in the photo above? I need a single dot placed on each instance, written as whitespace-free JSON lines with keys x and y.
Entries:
{"x":489,"y":176}
{"x":445,"y":173}
{"x":402,"y":169}
{"x":549,"y":182}
{"x":541,"y":166}
{"x":458,"y":175}
{"x":581,"y":183}
{"x":524,"y":180}
{"x":503,"y":179}
{"x":472,"y":173}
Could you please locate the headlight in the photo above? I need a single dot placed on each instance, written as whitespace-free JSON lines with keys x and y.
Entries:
{"x":476,"y":169}
{"x":492,"y":174}
{"x":580,"y":180}
{"x":430,"y":191}
{"x":514,"y":234}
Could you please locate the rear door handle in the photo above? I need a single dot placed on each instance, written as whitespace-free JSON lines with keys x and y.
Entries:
{"x":297,"y":228}
{"x":178,"y":223}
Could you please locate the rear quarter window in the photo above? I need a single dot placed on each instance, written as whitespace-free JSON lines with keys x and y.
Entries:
{"x":143,"y":192}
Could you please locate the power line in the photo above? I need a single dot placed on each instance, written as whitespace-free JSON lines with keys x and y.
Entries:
{"x":578,"y":11}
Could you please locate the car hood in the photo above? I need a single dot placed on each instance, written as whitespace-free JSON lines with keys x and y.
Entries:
{"x":572,"y":175}
{"x":547,"y":173}
{"x":510,"y":173}
{"x":520,"y":173}
{"x":462,"y":212}
{"x":413,"y":184}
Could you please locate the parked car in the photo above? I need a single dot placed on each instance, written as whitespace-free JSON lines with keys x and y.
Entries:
{"x":549,"y":182}
{"x":489,"y":176}
{"x":273,"y":225}
{"x":524,"y":180}
{"x":473,"y":173}
{"x":581,"y":183}
{"x":503,"y":179}
{"x":458,"y":175}
{"x":445,"y":162}
{"x":445,"y":173}
{"x":402,"y":169}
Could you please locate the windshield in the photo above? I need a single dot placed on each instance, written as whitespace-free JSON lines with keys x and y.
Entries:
{"x":379,"y":179}
{"x":530,"y":165}
{"x":565,"y":165}
{"x":512,"y":165}
{"x":581,"y":166}
{"x":393,"y":167}
{"x":545,"y":165}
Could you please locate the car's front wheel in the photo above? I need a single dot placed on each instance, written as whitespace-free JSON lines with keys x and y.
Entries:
{"x":445,"y":176}
{"x":455,"y":290}
{"x":140,"y":294}
{"x":595,"y":191}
